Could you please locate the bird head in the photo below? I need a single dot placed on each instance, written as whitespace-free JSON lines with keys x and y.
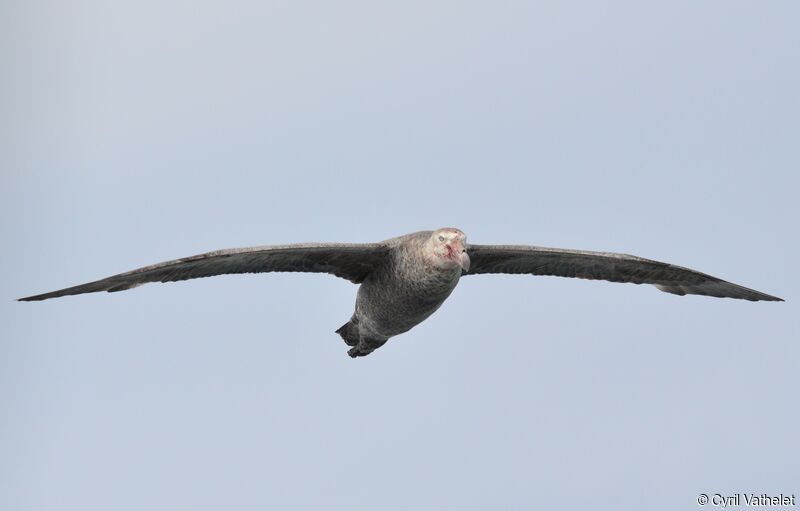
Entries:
{"x":450,"y":248}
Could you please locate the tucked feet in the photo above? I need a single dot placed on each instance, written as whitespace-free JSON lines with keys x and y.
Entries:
{"x":365,"y":347}
{"x":355,"y":352}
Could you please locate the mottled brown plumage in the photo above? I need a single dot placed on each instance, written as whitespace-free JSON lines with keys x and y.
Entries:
{"x":406,"y":279}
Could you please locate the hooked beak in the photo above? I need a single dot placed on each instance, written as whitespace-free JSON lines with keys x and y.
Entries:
{"x":458,"y":252}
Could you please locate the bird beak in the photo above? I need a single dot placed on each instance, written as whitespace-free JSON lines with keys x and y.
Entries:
{"x":461,"y":256}
{"x":464,"y":261}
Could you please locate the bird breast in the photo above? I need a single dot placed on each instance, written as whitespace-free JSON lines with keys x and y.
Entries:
{"x":393,"y":301}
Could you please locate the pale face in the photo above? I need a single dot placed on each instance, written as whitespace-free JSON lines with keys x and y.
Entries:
{"x":450,"y":248}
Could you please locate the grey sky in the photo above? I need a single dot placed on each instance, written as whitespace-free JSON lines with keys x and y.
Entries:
{"x":134,"y":132}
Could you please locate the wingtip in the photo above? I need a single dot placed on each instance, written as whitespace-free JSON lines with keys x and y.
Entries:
{"x":768,"y":298}
{"x":764,"y":297}
{"x":761,"y":297}
{"x":35,"y":298}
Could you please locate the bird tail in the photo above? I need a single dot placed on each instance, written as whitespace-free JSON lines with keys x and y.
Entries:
{"x":349,"y":332}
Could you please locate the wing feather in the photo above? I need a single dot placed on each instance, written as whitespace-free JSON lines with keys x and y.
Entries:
{"x":349,"y":261}
{"x":613,"y":267}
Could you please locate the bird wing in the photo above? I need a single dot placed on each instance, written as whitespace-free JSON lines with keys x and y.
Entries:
{"x":521,"y":259}
{"x":349,"y":261}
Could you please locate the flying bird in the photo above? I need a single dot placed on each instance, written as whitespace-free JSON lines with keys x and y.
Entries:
{"x":404,"y":280}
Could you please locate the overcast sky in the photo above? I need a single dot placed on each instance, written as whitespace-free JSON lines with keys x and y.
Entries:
{"x":134,"y":132}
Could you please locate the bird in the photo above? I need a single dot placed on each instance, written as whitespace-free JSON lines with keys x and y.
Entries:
{"x":403,"y":280}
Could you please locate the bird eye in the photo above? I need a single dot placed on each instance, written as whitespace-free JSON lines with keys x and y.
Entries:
{"x":441,"y":238}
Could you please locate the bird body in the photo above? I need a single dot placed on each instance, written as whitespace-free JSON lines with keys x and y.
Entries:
{"x":404,"y":280}
{"x":399,"y":295}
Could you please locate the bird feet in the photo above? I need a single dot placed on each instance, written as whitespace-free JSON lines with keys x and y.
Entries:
{"x":355,"y":352}
{"x":365,"y":347}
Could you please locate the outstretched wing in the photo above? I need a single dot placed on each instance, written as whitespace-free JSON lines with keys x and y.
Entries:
{"x":521,"y":259}
{"x":349,"y":261}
